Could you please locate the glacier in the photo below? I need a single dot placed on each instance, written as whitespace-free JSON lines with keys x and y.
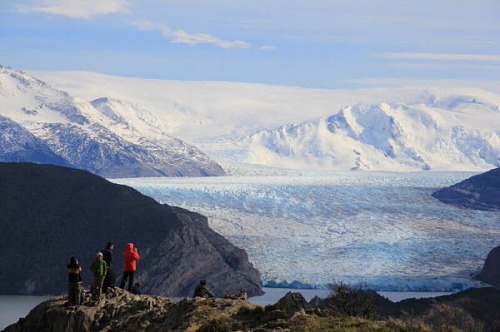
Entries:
{"x":308,"y":229}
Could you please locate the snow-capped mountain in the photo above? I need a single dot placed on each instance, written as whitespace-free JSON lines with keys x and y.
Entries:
{"x":245,"y":125}
{"x":452,"y":134}
{"x":18,"y":144}
{"x":92,"y":136}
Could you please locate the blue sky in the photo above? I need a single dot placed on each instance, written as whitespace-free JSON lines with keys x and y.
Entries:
{"x":314,"y":43}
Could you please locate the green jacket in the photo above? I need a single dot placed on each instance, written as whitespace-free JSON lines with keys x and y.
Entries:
{"x":99,"y":268}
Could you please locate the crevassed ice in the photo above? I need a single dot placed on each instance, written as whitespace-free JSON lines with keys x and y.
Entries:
{"x":383,"y":229}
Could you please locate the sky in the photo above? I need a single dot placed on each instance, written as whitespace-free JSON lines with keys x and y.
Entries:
{"x":313,"y":43}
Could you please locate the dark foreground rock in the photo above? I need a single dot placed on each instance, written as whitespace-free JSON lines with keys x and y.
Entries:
{"x":474,"y":310}
{"x":481,"y":192}
{"x":50,"y":213}
{"x":490,"y":273}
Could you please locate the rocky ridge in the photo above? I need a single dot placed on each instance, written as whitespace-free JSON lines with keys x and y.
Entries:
{"x":480,"y":192}
{"x":472,"y":310}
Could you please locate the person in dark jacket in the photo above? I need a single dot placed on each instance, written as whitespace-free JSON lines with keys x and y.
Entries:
{"x":137,"y":289}
{"x":130,"y":257}
{"x":74,"y":281}
{"x":98,"y":269}
{"x":202,"y":290}
{"x":109,"y":279}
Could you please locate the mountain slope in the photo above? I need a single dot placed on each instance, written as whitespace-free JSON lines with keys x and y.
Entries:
{"x":381,"y":137}
{"x":89,"y":138}
{"x":18,"y":144}
{"x":50,"y":213}
{"x":480,"y":192}
{"x":390,"y":129}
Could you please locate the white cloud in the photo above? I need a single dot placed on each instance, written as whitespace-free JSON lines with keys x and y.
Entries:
{"x":183,"y":37}
{"x":82,"y":9}
{"x":267,"y":48}
{"x":443,"y":56}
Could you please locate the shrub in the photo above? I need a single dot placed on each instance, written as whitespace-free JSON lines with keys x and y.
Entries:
{"x":217,"y":325}
{"x":351,"y":301}
{"x":445,"y":317}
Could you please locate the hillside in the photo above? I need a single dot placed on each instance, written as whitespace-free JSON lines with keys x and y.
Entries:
{"x":50,"y":213}
{"x":480,"y":192}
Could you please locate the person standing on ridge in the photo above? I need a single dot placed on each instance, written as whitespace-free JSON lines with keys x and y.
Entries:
{"x":109,"y":279}
{"x":130,"y":257}
{"x":74,"y":281}
{"x":98,"y":268}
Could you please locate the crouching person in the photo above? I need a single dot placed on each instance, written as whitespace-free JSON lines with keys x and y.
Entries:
{"x":202,"y":290}
{"x":74,"y":282}
{"x":98,"y":269}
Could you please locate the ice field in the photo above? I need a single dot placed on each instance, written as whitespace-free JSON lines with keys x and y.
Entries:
{"x":305,"y":229}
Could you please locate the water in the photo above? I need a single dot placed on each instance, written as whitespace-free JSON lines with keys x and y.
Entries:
{"x":383,"y":229}
{"x":14,"y":307}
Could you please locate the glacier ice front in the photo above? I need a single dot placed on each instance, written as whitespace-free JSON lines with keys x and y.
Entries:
{"x":313,"y":229}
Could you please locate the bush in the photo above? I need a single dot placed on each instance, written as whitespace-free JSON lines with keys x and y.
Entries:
{"x":217,"y":325}
{"x":445,"y":317}
{"x":351,"y":301}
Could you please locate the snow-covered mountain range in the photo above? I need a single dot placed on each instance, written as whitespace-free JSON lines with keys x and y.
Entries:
{"x":45,"y":125}
{"x":439,"y":135}
{"x":241,"y":126}
{"x":238,"y":124}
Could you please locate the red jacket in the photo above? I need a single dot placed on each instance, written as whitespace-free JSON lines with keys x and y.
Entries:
{"x":130,"y":257}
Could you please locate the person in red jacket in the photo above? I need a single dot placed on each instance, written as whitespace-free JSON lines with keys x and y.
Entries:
{"x":130,"y":257}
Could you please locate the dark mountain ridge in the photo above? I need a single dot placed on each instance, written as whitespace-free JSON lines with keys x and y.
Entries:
{"x":50,"y":213}
{"x":480,"y":192}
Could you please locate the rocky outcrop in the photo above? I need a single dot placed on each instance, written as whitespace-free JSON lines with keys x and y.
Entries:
{"x":490,"y":273}
{"x":471,"y":310}
{"x":481,"y":192}
{"x":50,"y":213}
{"x":123,"y":311}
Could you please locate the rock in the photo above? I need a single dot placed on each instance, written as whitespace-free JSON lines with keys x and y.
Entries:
{"x":315,"y":301}
{"x":481,"y":192}
{"x":119,"y":311}
{"x":291,"y":303}
{"x":123,"y":311}
{"x":50,"y":213}
{"x":490,"y":273}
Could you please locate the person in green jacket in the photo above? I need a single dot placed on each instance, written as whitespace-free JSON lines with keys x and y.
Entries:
{"x":99,"y":269}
